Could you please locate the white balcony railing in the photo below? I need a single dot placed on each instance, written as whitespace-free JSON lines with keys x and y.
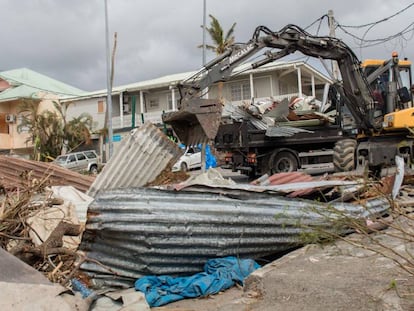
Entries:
{"x":155,"y":116}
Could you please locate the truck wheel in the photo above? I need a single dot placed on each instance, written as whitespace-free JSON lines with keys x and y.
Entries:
{"x":283,"y":162}
{"x":93,"y":170}
{"x":344,"y":155}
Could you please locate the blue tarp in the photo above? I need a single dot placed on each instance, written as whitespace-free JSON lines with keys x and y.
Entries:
{"x":219,"y":274}
{"x":210,"y":158}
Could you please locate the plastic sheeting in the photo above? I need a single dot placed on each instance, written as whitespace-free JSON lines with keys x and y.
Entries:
{"x":219,"y":274}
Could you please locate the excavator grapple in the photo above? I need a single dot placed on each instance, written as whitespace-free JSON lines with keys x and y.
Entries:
{"x":197,"y":121}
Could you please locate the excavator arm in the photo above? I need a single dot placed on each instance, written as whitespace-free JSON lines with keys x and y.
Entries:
{"x":197,"y":120}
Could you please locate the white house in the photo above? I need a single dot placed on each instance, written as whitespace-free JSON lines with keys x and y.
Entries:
{"x":135,"y":103}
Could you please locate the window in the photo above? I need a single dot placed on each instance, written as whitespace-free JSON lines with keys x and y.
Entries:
{"x":283,"y":88}
{"x":154,"y":103}
{"x":240,"y":91}
{"x":80,"y":156}
{"x":4,"y":126}
{"x":72,"y":158}
{"x":101,"y":106}
{"x":90,"y":154}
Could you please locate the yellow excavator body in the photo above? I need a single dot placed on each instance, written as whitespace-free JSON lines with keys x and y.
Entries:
{"x":399,"y":120}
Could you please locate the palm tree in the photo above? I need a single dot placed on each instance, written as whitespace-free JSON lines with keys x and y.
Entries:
{"x":76,"y":131}
{"x":221,"y":42}
{"x":50,"y":132}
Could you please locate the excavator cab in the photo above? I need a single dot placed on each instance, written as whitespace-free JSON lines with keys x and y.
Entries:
{"x":391,"y":84}
{"x":197,"y":120}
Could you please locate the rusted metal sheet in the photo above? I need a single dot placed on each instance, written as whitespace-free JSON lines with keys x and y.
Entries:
{"x":141,"y":231}
{"x":13,"y":169}
{"x":282,"y":178}
{"x":286,"y":178}
{"x":141,"y":157}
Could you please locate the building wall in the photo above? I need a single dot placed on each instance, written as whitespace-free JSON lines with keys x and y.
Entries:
{"x":16,"y":136}
{"x":10,"y":136}
{"x":156,"y":100}
{"x":96,"y":107}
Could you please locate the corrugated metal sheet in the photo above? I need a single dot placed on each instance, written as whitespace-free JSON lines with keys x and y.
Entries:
{"x":140,"y":158}
{"x":284,"y":131}
{"x":143,"y":231}
{"x":282,"y":178}
{"x":237,"y":113}
{"x":286,"y":178}
{"x":12,"y":168}
{"x":195,"y":185}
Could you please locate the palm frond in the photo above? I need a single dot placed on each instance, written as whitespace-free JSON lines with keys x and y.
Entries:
{"x":221,"y":42}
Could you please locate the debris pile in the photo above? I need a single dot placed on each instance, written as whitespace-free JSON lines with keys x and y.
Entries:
{"x":13,"y":169}
{"x":172,"y":223}
{"x":35,"y":225}
{"x":267,"y":113}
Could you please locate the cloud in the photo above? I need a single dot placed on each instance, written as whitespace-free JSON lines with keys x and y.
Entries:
{"x":66,"y":39}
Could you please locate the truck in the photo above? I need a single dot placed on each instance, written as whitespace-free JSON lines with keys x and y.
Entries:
{"x":255,"y":151}
{"x":372,"y":104}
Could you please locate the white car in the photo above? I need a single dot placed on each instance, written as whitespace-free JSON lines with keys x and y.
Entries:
{"x":191,"y":159}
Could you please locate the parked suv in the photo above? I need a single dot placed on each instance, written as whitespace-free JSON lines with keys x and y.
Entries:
{"x":80,"y":161}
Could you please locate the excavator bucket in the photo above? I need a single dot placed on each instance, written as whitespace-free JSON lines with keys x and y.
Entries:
{"x":197,"y":121}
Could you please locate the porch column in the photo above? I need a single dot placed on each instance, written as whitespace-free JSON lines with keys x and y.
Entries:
{"x":251,"y":87}
{"x":173,"y":106}
{"x":272,"y":93}
{"x":141,"y":105}
{"x":121,"y":108}
{"x":299,"y":71}
{"x":313,"y":85}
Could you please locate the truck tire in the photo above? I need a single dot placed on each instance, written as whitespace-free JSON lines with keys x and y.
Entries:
{"x":344,"y":158}
{"x":93,"y":170}
{"x":283,"y":162}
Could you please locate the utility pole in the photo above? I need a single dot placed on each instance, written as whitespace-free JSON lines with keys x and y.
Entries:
{"x":331,"y":23}
{"x":108,"y":84}
{"x":204,"y":32}
{"x":204,"y":145}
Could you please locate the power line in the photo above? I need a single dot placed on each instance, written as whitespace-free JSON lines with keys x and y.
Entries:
{"x":373,"y":42}
{"x":379,"y":21}
{"x":317,"y":20}
{"x":364,"y":43}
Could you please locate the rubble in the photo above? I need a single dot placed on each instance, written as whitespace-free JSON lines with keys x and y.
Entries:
{"x":14,"y":172}
{"x":173,"y":223}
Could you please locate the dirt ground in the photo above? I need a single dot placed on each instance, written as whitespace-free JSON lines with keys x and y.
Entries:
{"x":338,"y":276}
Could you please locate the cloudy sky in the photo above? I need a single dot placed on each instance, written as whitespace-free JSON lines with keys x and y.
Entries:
{"x":66,"y":39}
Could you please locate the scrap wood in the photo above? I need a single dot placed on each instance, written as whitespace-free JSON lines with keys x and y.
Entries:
{"x":18,"y":205}
{"x":405,"y":200}
{"x":49,"y":257}
{"x":60,"y":264}
{"x":56,"y":237}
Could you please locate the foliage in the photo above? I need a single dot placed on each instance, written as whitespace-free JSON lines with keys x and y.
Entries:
{"x":221,"y":42}
{"x":50,"y":132}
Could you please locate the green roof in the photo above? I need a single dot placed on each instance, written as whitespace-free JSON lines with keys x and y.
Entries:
{"x":18,"y":92}
{"x":36,"y":81}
